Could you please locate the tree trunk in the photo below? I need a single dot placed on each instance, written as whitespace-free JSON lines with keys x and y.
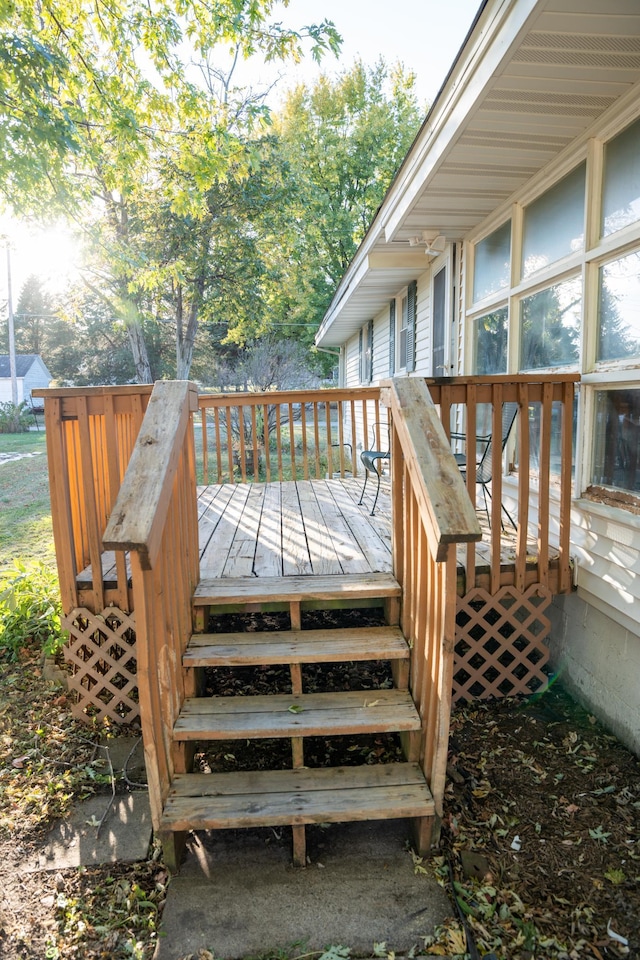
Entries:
{"x":139,"y":351}
{"x":186,"y":336}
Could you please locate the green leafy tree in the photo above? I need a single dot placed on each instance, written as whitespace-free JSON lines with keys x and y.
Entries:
{"x":342,"y":142}
{"x":101,"y":114}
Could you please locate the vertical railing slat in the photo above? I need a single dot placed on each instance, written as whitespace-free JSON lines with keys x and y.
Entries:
{"x":496,"y":485}
{"x":566,"y":450}
{"x":543,"y":483}
{"x":524,"y":455}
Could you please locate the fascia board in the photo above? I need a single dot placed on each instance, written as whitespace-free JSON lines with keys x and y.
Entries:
{"x":458,"y":102}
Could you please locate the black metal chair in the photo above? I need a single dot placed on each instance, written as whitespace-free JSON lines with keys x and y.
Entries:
{"x":484,"y":464}
{"x":372,"y":461}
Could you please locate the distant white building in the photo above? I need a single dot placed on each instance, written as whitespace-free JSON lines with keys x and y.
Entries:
{"x":31,"y":373}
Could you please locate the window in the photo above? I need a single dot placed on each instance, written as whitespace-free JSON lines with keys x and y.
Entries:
{"x":366,"y":352}
{"x":619,"y":309}
{"x":621,"y":188}
{"x":554,"y":224}
{"x":616,"y":449}
{"x":492,"y":263}
{"x":550,"y":326}
{"x":490,"y":349}
{"x":438,"y":366}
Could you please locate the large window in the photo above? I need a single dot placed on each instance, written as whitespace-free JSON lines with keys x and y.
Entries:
{"x":550,"y":323}
{"x":616,"y":451}
{"x":571,"y":300}
{"x":621,"y":187}
{"x":491,"y":343}
{"x":554,"y":224}
{"x":619,"y":309}
{"x":492,"y":263}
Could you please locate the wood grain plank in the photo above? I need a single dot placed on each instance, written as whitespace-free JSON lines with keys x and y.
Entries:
{"x":268,"y":557}
{"x":319,"y":537}
{"x":298,"y":797}
{"x":289,"y":646}
{"x":295,"y":550}
{"x":239,"y":562}
{"x":215,"y":553}
{"x":320,"y":714}
{"x":264,"y":589}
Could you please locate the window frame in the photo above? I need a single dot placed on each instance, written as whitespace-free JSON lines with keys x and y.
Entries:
{"x":598,"y":250}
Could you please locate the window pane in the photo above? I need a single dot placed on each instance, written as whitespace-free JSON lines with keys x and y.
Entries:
{"x":492,"y":262}
{"x":554,"y":224}
{"x":550,"y":326}
{"x":621,"y":189}
{"x":619,"y":309}
{"x":617,"y":439}
{"x":491,"y":343}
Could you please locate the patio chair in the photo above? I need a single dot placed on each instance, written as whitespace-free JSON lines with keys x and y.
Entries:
{"x":484,"y":464}
{"x":372,"y":461}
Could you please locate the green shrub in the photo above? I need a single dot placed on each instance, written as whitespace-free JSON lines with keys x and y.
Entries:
{"x":15,"y":418}
{"x":30,"y":609}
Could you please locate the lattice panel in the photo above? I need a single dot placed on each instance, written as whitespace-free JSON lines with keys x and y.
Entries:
{"x":102,"y":652}
{"x":500,"y":643}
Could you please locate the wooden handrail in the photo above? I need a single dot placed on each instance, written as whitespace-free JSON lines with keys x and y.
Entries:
{"x":138,"y":517}
{"x":432,"y":512}
{"x":155,"y":519}
{"x":435,"y":475}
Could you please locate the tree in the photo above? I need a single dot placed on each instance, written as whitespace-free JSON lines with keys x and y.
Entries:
{"x":99,"y":105}
{"x":341,"y":143}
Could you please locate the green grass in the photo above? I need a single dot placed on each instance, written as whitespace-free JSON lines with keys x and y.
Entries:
{"x":25,"y":508}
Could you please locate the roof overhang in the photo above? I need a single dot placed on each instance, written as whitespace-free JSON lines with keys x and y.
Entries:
{"x":531,"y":79}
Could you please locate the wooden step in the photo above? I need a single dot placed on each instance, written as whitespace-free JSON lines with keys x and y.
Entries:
{"x":291,"y":589}
{"x":280,"y":797}
{"x":295,"y":646}
{"x":314,"y":714}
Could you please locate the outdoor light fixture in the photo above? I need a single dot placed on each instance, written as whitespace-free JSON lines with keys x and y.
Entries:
{"x":434,"y":242}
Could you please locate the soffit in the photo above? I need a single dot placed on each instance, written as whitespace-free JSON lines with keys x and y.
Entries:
{"x":570,"y":63}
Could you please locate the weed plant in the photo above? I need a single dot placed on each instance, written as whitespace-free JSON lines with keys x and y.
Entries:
{"x":30,"y":609}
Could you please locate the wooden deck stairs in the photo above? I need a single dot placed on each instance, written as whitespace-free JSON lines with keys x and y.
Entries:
{"x":300,"y":795}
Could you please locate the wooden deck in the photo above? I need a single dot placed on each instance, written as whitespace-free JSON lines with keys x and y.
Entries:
{"x":294,"y":528}
{"x":310,"y":527}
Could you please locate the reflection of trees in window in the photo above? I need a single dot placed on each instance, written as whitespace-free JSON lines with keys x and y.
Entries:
{"x":491,"y":343}
{"x":621,"y":190}
{"x":617,"y":439}
{"x":550,"y":326}
{"x":619,"y":309}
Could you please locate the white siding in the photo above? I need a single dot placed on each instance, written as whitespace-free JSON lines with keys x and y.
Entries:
{"x":423,"y":326}
{"x":381,"y":346}
{"x":37,"y":376}
{"x":5,"y":390}
{"x":352,"y":362}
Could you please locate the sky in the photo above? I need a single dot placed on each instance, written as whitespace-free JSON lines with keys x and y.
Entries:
{"x":425,"y":35}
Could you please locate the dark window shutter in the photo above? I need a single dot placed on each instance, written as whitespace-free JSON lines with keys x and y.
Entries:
{"x":369,"y":351}
{"x":412,"y":303}
{"x":392,"y":338}
{"x":362,"y":356}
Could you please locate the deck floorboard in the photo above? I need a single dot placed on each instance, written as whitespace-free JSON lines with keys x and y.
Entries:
{"x":294,"y":528}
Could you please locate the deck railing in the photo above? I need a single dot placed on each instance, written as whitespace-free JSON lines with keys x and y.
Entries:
{"x":155,"y":520}
{"x":431,"y":514}
{"x":91,"y":432}
{"x":288,"y":435}
{"x":538,"y":458}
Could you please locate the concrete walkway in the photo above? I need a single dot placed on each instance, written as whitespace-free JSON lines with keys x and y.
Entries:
{"x":237,"y":894}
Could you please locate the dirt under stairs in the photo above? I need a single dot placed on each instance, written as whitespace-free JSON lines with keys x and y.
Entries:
{"x":300,"y":795}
